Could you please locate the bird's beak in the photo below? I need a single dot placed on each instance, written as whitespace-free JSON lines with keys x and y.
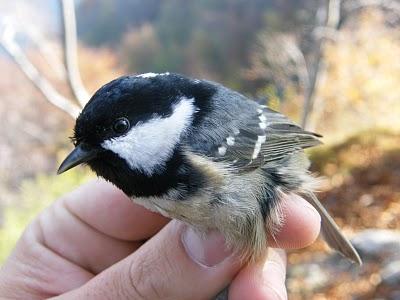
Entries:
{"x":82,"y":153}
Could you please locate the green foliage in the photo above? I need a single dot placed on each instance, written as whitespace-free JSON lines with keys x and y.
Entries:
{"x":202,"y":38}
{"x":35,"y":194}
{"x":273,"y":98}
{"x":103,"y":22}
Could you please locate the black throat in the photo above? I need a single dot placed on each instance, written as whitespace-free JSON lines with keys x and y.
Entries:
{"x":177,"y":173}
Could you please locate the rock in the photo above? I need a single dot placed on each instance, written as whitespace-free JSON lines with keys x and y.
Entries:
{"x":311,"y":276}
{"x":380,"y":252}
{"x":391,"y":274}
{"x":380,"y":244}
{"x":389,"y":287}
{"x":323,"y":271}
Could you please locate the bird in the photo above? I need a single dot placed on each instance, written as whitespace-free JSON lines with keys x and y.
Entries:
{"x":197,"y":151}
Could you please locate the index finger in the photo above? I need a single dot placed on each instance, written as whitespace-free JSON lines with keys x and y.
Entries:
{"x":264,"y":280}
{"x":107,"y":209}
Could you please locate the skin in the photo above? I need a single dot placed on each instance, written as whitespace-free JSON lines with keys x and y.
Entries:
{"x":94,"y":243}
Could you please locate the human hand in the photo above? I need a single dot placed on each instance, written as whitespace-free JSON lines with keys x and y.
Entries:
{"x":94,"y":243}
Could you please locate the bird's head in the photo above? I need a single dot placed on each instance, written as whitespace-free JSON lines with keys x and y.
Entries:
{"x":135,"y":123}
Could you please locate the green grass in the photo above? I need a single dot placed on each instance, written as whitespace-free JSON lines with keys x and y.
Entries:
{"x":355,"y":151}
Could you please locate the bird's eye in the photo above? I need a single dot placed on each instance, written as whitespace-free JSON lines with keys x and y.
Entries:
{"x":121,"y":125}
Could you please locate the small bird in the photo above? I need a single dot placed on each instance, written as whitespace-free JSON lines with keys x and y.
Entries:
{"x":199,"y":152}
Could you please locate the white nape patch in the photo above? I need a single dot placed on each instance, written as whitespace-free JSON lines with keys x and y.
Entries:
{"x":230,"y":140}
{"x":148,"y":145}
{"x":259,"y":111}
{"x":151,"y":75}
{"x":257,"y":148}
{"x":222,"y":150}
{"x":236,"y":131}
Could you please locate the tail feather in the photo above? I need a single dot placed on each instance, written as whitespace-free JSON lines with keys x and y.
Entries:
{"x":332,"y":233}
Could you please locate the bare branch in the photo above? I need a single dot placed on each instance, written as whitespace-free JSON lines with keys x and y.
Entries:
{"x":280,"y":59}
{"x":333,"y":17}
{"x":7,"y":40}
{"x":327,"y":17}
{"x":298,"y":58}
{"x":71,"y":50}
{"x":47,"y":52}
{"x":327,"y":33}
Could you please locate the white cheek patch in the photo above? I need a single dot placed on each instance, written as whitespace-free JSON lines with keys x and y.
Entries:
{"x":148,"y":146}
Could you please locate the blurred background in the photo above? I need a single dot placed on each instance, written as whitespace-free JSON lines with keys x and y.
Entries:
{"x":331,"y":65}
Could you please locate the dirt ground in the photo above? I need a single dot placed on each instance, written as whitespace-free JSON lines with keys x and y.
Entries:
{"x":361,"y":190}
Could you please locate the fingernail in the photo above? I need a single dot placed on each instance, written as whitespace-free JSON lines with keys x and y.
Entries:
{"x":310,"y":209}
{"x":274,"y":274}
{"x":206,"y":250}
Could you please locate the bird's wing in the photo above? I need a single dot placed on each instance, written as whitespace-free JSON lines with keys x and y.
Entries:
{"x":265,"y":136}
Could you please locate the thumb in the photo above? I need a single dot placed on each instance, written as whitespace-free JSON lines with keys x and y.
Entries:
{"x":176,"y":263}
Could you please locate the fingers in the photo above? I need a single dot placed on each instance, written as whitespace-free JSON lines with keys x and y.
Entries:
{"x":92,"y":228}
{"x":87,"y":226}
{"x":107,"y":209}
{"x":33,"y":271}
{"x":96,"y":225}
{"x":301,"y":225}
{"x":75,"y":240}
{"x":262,"y":281}
{"x":175,"y":264}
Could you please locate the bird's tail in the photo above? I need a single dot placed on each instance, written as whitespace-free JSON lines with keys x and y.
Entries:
{"x":332,"y":233}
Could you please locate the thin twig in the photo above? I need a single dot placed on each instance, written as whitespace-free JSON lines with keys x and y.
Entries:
{"x":70,"y":52}
{"x":328,"y":17}
{"x":47,"y":52}
{"x":7,"y":40}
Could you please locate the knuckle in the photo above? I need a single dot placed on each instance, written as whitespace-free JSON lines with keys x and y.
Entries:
{"x":276,"y":293}
{"x":145,"y":282}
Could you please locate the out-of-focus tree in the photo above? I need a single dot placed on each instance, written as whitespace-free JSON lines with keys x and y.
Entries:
{"x":98,"y":66}
{"x":361,"y":86}
{"x":30,"y":141}
{"x":140,"y":48}
{"x":294,"y":58}
{"x":291,"y":57}
{"x":104,"y":22}
{"x":201,"y":38}
{"x":9,"y":32}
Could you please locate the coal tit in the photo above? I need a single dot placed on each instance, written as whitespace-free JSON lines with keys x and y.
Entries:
{"x":199,"y":152}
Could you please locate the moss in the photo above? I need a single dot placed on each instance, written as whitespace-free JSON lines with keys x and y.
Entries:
{"x":358,"y":150}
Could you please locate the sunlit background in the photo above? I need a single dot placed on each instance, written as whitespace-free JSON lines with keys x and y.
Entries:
{"x":331,"y":65}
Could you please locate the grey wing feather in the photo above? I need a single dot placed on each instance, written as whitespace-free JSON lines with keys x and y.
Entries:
{"x":284,"y":138}
{"x":331,"y":232}
{"x":256,"y":136}
{"x":266,"y":136}
{"x":250,"y":136}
